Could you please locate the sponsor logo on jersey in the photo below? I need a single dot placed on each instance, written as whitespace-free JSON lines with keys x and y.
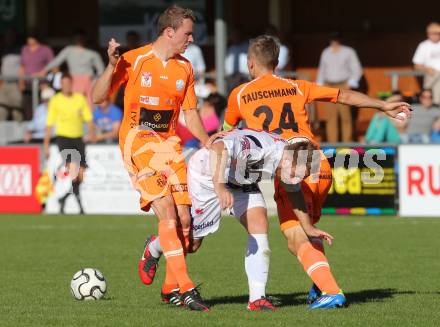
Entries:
{"x":179,"y":188}
{"x":170,"y":102}
{"x":161,"y":180}
{"x":203,"y":225}
{"x":245,"y":145}
{"x":146,"y":79}
{"x":163,"y":77}
{"x":198,"y":211}
{"x":145,"y":99}
{"x":157,"y":120}
{"x":180,"y":84}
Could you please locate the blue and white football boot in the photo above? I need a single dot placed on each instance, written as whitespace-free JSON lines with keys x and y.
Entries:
{"x":328,"y":301}
{"x":314,"y":294}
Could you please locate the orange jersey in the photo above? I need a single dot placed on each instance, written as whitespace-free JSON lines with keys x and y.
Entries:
{"x":154,"y":92}
{"x":276,"y":105}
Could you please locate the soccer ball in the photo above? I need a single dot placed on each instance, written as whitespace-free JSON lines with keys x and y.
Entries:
{"x":88,"y":284}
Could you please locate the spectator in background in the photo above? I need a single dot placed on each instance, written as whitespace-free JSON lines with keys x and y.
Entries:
{"x":195,"y":55}
{"x":10,"y":94}
{"x":418,"y":128}
{"x":339,"y":67}
{"x":204,"y":89}
{"x":381,"y":128}
{"x":236,"y":70}
{"x":36,"y":128}
{"x":132,"y":41}
{"x":107,"y":119}
{"x":427,"y":59}
{"x":435,"y":134}
{"x":34,"y":57}
{"x":283,"y":57}
{"x":82,"y":62}
{"x":215,"y":103}
{"x":68,"y":111}
{"x":218,"y":102}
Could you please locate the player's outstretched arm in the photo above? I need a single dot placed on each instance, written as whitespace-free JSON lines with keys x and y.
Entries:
{"x":195,"y":126}
{"x":296,"y":198}
{"x":392,"y":109}
{"x":102,"y":86}
{"x":219,"y":160}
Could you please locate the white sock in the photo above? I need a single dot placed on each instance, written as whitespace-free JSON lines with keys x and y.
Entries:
{"x":257,"y":265}
{"x":155,"y":249}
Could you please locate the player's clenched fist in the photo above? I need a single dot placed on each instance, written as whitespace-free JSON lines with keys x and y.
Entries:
{"x":226,"y":199}
{"x":112,"y":51}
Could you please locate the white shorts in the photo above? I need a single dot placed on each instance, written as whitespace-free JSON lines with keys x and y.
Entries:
{"x":205,"y":209}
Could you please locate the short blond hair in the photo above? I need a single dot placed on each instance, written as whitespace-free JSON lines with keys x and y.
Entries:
{"x":266,"y":50}
{"x":173,"y":17}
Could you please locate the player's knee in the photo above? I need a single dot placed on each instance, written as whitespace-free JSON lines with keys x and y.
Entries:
{"x":164,"y":208}
{"x":295,"y":238}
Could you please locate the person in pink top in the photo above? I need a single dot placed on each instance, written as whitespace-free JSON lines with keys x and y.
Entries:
{"x":34,"y":57}
{"x":210,"y":111}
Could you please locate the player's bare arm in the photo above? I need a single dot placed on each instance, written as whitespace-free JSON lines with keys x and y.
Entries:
{"x":392,"y":109}
{"x":102,"y":85}
{"x":195,"y":126}
{"x":219,"y":160}
{"x":215,"y":136}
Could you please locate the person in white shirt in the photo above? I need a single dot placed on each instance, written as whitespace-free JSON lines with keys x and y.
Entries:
{"x":236,"y":70}
{"x":284,"y":56}
{"x":427,"y":59}
{"x":339,"y":67}
{"x":195,"y":55}
{"x":226,"y":178}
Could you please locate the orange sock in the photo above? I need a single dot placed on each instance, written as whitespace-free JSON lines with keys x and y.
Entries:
{"x":170,"y":283}
{"x":316,"y":265}
{"x":173,"y":253}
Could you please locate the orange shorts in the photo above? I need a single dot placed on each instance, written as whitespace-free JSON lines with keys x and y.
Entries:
{"x":315,"y":194}
{"x":158,"y":170}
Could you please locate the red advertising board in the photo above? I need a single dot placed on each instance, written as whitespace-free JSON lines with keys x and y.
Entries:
{"x":19,"y":173}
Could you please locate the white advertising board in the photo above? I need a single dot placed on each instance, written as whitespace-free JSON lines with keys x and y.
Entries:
{"x":419,"y":180}
{"x":106,"y":189}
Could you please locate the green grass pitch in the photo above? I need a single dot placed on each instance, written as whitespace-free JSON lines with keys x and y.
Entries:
{"x":388,"y":267}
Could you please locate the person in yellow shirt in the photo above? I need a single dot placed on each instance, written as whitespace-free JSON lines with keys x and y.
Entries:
{"x":68,"y":112}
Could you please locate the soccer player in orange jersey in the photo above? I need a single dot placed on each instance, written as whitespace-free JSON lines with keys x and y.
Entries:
{"x":158,"y":82}
{"x":275,"y":104}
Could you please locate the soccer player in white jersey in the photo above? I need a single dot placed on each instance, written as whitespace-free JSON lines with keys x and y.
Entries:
{"x":226,"y":177}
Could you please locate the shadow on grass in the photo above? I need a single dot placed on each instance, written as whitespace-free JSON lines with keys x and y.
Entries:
{"x":375,"y":295}
{"x":278,"y":300}
{"x":293,"y":299}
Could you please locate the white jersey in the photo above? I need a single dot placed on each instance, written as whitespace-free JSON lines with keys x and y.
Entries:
{"x":254,"y":155}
